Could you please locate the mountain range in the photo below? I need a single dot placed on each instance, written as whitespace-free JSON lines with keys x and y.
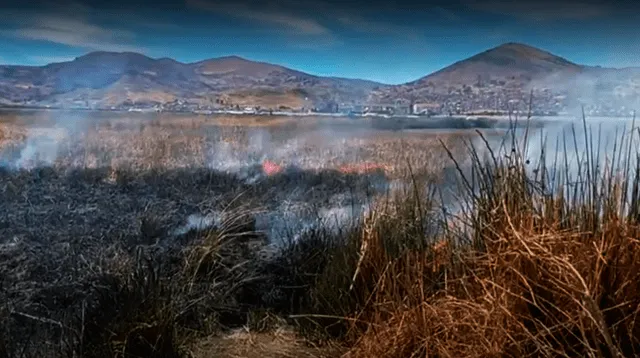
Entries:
{"x":107,"y":79}
{"x":489,"y":79}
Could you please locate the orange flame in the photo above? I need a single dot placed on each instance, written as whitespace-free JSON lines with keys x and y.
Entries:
{"x":271,"y":168}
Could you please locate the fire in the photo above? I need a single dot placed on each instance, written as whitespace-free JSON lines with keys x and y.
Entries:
{"x":271,"y":168}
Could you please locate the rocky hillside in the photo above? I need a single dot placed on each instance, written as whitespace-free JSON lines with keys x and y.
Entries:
{"x":509,"y":63}
{"x":105,"y":79}
{"x":503,"y":77}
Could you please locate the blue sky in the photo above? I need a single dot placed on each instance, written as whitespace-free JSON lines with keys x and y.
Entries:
{"x":390,"y":42}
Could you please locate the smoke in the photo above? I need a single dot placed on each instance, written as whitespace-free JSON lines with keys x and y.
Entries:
{"x":310,"y":149}
{"x":567,"y":156}
{"x":292,"y":208}
{"x":198,"y":222}
{"x":225,"y":158}
{"x":41,"y":148}
{"x":589,"y":150}
{"x":570,"y":155}
{"x":600,"y":91}
{"x":596,"y":135}
{"x":315,"y":148}
{"x":47,"y":133}
{"x":288,"y":221}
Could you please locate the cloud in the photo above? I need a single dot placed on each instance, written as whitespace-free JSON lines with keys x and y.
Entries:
{"x":303,"y":18}
{"x":295,"y":23}
{"x":45,"y":60}
{"x":359,"y":20}
{"x":544,"y":10}
{"x":72,"y":30}
{"x":76,"y":33}
{"x":352,"y":18}
{"x":312,"y":24}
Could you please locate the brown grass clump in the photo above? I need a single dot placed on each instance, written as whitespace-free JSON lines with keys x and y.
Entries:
{"x":555,"y":294}
{"x":11,"y":135}
{"x":557,"y":279}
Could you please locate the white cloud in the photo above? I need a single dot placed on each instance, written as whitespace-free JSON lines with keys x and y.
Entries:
{"x":307,"y":22}
{"x":355,"y":19}
{"x":45,"y":60}
{"x":75,"y":30}
{"x":296,"y":23}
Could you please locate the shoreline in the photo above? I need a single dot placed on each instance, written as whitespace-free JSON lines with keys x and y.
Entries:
{"x":502,"y":117}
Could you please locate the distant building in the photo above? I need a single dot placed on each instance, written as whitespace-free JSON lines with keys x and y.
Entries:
{"x":329,"y":107}
{"x":402,"y":110}
{"x":426,"y":108}
{"x":351,"y":108}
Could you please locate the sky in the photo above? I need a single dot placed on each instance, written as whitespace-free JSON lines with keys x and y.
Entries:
{"x":385,"y":41}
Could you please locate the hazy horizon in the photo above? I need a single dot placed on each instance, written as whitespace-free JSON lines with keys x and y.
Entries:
{"x":378,"y":41}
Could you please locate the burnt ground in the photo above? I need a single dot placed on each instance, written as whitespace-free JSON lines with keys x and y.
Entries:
{"x":81,"y":247}
{"x":95,"y":260}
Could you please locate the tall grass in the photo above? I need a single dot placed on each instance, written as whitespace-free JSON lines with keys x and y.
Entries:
{"x":550,"y":274}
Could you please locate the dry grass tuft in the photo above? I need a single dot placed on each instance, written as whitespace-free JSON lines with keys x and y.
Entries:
{"x":558,"y":279}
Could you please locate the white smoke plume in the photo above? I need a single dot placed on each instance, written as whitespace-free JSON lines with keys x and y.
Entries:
{"x":45,"y":138}
{"x":600,"y":91}
{"x":567,"y":154}
{"x":41,"y":148}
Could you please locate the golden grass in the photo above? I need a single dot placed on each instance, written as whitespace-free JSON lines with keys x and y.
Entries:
{"x":180,"y":141}
{"x":11,"y":135}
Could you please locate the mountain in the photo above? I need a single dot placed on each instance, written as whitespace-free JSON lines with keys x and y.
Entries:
{"x":508,"y":62}
{"x":511,"y":65}
{"x":501,"y":76}
{"x":106,"y":79}
{"x":497,"y":79}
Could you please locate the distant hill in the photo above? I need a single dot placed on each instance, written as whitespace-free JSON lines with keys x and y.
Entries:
{"x":495,"y":77}
{"x":508,"y":62}
{"x":105,"y":79}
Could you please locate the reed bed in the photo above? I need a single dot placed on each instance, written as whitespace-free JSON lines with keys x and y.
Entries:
{"x":531,"y":265}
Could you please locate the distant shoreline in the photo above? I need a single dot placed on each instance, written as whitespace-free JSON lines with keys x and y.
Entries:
{"x":409,"y":121}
